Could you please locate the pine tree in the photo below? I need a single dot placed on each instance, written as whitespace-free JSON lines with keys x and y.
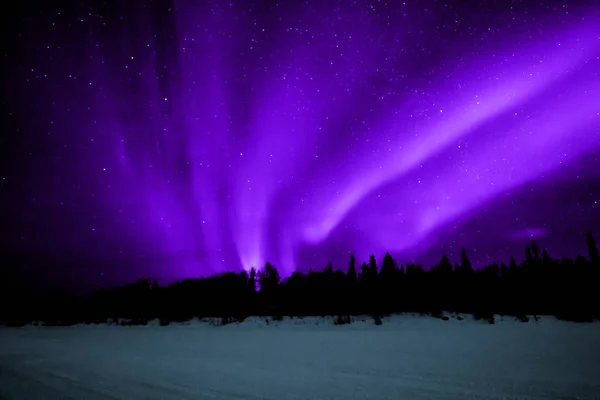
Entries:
{"x":503,"y":270}
{"x":269,"y":278}
{"x":512,"y":264}
{"x":536,"y":250}
{"x":352,"y":270}
{"x":546,"y":257}
{"x":592,"y":248}
{"x":465,"y":262}
{"x":364,"y":271}
{"x":372,"y":266}
{"x":329,"y":268}
{"x":528,"y":255}
{"x":252,"y":280}
{"x":388,"y":265}
{"x":445,"y":265}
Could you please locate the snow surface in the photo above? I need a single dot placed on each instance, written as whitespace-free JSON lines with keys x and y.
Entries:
{"x":408,"y":357}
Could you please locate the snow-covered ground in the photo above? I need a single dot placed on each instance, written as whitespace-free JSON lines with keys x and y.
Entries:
{"x":405,"y":358}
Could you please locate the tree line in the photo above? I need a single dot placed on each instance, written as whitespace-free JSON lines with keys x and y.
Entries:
{"x":538,"y":285}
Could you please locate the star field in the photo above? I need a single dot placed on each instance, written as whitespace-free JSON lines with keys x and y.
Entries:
{"x":178,"y":138}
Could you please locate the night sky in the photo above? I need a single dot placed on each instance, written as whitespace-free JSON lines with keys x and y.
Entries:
{"x":174,"y":139}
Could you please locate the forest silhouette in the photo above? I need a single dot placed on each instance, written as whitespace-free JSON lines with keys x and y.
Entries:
{"x":538,"y":285}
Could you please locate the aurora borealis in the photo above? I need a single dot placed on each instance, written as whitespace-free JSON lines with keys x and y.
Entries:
{"x":183,"y":138}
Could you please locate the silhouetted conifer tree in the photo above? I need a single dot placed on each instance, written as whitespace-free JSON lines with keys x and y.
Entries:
{"x":372,"y":266}
{"x":592,"y":247}
{"x":387,"y":282}
{"x":535,"y":250}
{"x":387,"y":267}
{"x":269,"y":283}
{"x":512,"y":264}
{"x":269,"y":278}
{"x":445,"y":265}
{"x":503,"y":270}
{"x":364,"y":271}
{"x":352,"y":270}
{"x":528,"y":256}
{"x":546,"y":257}
{"x":464,"y":261}
{"x":252,"y":280}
